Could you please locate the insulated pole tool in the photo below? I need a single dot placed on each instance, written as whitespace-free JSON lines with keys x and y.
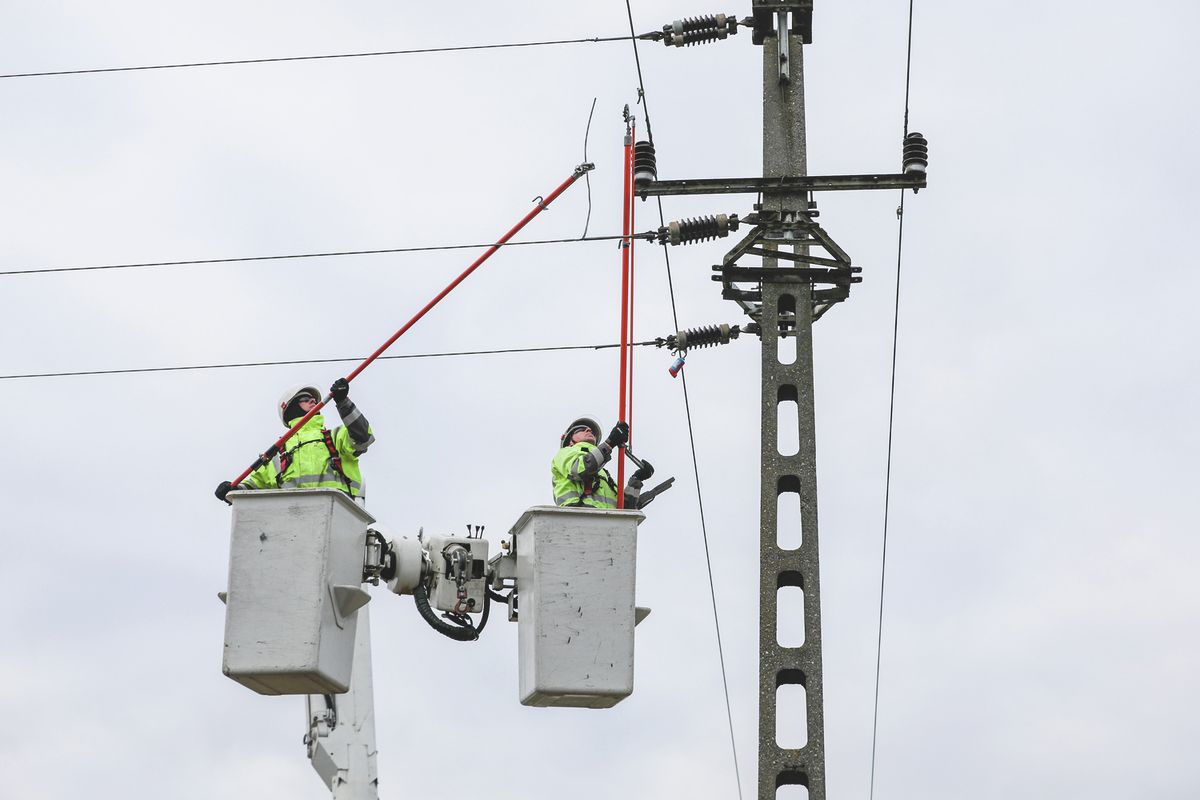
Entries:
{"x":541,"y":206}
{"x":645,"y":497}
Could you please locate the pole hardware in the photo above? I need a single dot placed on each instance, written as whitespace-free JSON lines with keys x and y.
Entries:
{"x":789,"y":184}
{"x":704,"y":336}
{"x":699,"y":30}
{"x":829,"y":275}
{"x":700,"y":229}
{"x":767,"y":12}
{"x":696,"y":30}
{"x":645,"y":164}
{"x":916,"y":155}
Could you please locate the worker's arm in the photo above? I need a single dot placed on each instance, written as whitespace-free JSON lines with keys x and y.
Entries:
{"x":585,"y":460}
{"x":355,"y":423}
{"x":633,"y":487}
{"x":262,"y":478}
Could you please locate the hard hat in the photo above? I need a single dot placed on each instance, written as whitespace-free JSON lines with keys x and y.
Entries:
{"x":579,"y":423}
{"x":287,"y":397}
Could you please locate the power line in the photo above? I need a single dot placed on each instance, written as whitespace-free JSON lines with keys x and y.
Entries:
{"x":415,"y":51}
{"x":691,"y":434}
{"x":646,"y":235}
{"x":887,"y":486}
{"x":139,"y":370}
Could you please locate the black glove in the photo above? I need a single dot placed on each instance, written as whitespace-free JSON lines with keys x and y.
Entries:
{"x":223,"y":489}
{"x":340,"y":390}
{"x":644,"y":471}
{"x":619,"y":435}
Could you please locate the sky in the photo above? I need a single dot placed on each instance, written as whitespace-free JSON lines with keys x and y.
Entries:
{"x":1039,"y":602}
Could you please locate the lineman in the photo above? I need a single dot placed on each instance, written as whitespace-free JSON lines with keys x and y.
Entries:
{"x":578,"y":472}
{"x":315,"y":457}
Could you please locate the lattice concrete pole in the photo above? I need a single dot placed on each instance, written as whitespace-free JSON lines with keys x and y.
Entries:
{"x":784,"y":153}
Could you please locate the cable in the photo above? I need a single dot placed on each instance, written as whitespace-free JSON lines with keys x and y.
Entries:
{"x":139,"y":370}
{"x":588,"y":177}
{"x":454,"y":49}
{"x":648,"y":235}
{"x":691,"y":434}
{"x":887,"y":483}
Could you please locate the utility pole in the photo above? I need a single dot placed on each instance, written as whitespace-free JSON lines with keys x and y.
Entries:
{"x":785,"y":295}
{"x":787,"y":298}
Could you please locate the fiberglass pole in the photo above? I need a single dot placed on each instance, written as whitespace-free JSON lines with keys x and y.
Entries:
{"x":541,"y":206}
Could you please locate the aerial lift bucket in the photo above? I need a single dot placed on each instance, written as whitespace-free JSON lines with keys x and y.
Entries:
{"x":295,"y":585}
{"x":575,"y":571}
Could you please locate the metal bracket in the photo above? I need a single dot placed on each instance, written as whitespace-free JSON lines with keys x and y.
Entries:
{"x":790,"y":184}
{"x":831,"y":275}
{"x":765,"y":14}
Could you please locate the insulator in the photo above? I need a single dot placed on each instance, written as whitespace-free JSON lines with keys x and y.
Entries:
{"x":705,"y":336}
{"x":700,"y":229}
{"x":697,"y":30}
{"x":645,"y":166}
{"x":916,"y":153}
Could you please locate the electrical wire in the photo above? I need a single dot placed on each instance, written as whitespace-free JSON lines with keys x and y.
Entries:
{"x":887,"y":484}
{"x":587,"y":177}
{"x":648,"y":235}
{"x":691,"y":434}
{"x":414,"y":51}
{"x":139,"y":370}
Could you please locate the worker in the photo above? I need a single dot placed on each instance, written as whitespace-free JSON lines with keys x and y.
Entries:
{"x":315,"y":457}
{"x":578,"y":472}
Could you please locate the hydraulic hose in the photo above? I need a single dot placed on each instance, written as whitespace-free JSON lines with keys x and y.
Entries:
{"x":459,"y":633}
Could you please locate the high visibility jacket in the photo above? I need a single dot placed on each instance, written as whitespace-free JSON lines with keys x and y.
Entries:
{"x":579,"y":477}
{"x":310,"y":464}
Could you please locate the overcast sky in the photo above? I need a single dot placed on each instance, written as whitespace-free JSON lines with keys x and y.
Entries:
{"x":1040,"y":604}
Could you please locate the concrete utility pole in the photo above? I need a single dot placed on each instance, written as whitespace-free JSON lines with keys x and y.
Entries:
{"x":787,"y":298}
{"x":791,"y":289}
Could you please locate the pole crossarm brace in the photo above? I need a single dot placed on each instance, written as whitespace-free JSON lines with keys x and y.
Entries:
{"x":793,"y":183}
{"x":797,"y":231}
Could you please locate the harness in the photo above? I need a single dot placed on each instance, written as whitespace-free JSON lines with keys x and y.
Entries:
{"x":590,"y":487}
{"x":335,"y":458}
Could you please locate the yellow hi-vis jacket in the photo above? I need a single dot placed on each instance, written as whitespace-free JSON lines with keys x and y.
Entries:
{"x":579,"y":477}
{"x":310,"y":462}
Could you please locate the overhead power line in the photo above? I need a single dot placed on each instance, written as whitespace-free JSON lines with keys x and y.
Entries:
{"x":38,"y":271}
{"x":414,"y":51}
{"x":887,"y":482}
{"x":138,"y":370}
{"x":737,"y":774}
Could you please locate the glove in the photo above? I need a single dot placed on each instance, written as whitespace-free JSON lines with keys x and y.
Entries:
{"x":619,"y":435}
{"x":224,"y":488}
{"x":340,"y":390}
{"x":644,"y":471}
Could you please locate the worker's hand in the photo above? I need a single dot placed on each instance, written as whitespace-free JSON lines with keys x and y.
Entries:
{"x":619,"y":435}
{"x":340,"y":390}
{"x":644,"y":472}
{"x":223,"y":489}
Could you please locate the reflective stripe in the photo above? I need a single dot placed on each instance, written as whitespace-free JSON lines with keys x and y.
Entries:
{"x":332,"y":478}
{"x":569,"y":477}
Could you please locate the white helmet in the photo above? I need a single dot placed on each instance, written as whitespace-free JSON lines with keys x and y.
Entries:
{"x":287,"y":397}
{"x":576,"y":425}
